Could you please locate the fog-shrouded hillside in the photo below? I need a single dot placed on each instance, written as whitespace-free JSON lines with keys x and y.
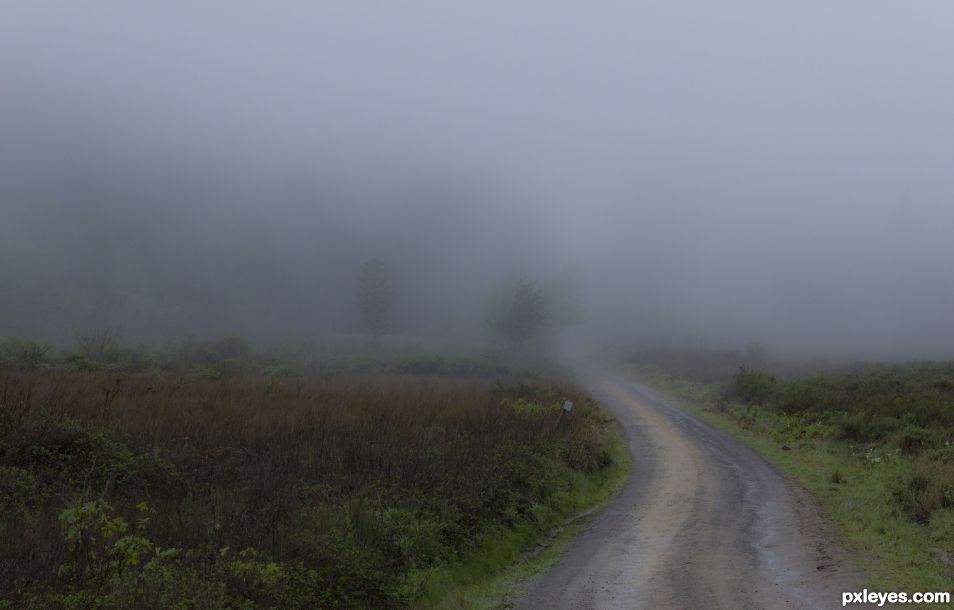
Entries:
{"x":225,"y":262}
{"x":726,"y":173}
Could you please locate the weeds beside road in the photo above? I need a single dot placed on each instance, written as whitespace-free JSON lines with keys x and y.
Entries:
{"x":874,"y":443}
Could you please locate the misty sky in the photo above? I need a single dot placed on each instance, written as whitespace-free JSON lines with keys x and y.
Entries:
{"x":726,"y":171}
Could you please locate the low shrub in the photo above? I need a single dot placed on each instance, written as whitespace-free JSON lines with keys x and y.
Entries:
{"x":753,"y":387}
{"x":912,"y":440}
{"x":864,"y":427}
{"x":23,"y":355}
{"x":925,"y":488}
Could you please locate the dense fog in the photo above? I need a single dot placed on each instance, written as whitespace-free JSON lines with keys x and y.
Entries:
{"x":722,"y":173}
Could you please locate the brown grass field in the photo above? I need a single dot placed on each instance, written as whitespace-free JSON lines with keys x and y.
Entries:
{"x":339,"y":490}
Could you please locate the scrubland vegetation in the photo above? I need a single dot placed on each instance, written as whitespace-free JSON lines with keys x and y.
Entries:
{"x":209,"y":475}
{"x":875,"y":442}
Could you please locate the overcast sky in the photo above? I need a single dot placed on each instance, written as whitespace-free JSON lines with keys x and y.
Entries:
{"x":730,"y":171}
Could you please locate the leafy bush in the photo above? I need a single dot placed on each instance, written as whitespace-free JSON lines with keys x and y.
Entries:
{"x":64,"y":453}
{"x":214,"y":359}
{"x":913,"y":439}
{"x":814,"y":394}
{"x":864,"y":427}
{"x":925,"y":488}
{"x":18,"y":489}
{"x":753,"y":387}
{"x":23,"y":355}
{"x":80,"y":363}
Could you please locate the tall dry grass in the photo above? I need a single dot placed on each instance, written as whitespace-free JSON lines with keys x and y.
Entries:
{"x":298,"y":469}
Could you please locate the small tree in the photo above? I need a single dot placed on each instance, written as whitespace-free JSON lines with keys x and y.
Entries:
{"x":99,"y":344}
{"x":375,"y":297}
{"x":518,"y":312}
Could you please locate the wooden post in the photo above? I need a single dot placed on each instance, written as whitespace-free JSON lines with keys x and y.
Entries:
{"x":567,"y":407}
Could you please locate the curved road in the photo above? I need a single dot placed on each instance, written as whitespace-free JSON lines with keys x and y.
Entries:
{"x":703,"y":522}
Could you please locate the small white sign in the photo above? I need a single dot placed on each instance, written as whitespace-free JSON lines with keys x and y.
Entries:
{"x":568,"y":406}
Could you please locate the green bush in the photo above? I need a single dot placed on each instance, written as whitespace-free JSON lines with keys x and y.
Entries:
{"x":214,"y":359}
{"x":924,"y":488}
{"x":753,"y":387}
{"x":912,"y":440}
{"x":23,"y":355}
{"x":812,"y":395}
{"x":18,"y":490}
{"x":70,"y":457}
{"x":81,"y":364}
{"x":864,"y":427}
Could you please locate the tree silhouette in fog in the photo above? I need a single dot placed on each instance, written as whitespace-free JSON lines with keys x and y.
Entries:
{"x":375,"y":297}
{"x":518,"y":312}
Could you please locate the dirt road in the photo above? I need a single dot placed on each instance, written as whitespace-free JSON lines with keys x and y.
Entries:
{"x":703,"y":522}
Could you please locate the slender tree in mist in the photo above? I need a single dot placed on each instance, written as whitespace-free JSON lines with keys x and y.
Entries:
{"x":518,"y":312}
{"x":97,"y":344}
{"x":375,"y":297}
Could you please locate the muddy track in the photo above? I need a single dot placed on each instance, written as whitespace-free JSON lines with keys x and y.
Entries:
{"x":703,"y":522}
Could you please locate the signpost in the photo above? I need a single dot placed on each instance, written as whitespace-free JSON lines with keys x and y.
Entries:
{"x":567,"y":407}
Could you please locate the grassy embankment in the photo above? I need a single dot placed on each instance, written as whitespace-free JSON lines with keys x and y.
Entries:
{"x":874,"y":443}
{"x":210,"y":476}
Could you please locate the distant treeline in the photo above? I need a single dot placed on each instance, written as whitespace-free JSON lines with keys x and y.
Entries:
{"x":233,"y":355}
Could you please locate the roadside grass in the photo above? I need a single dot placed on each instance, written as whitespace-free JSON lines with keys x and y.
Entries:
{"x":417,"y":483}
{"x":863,"y":487}
{"x":503,"y":560}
